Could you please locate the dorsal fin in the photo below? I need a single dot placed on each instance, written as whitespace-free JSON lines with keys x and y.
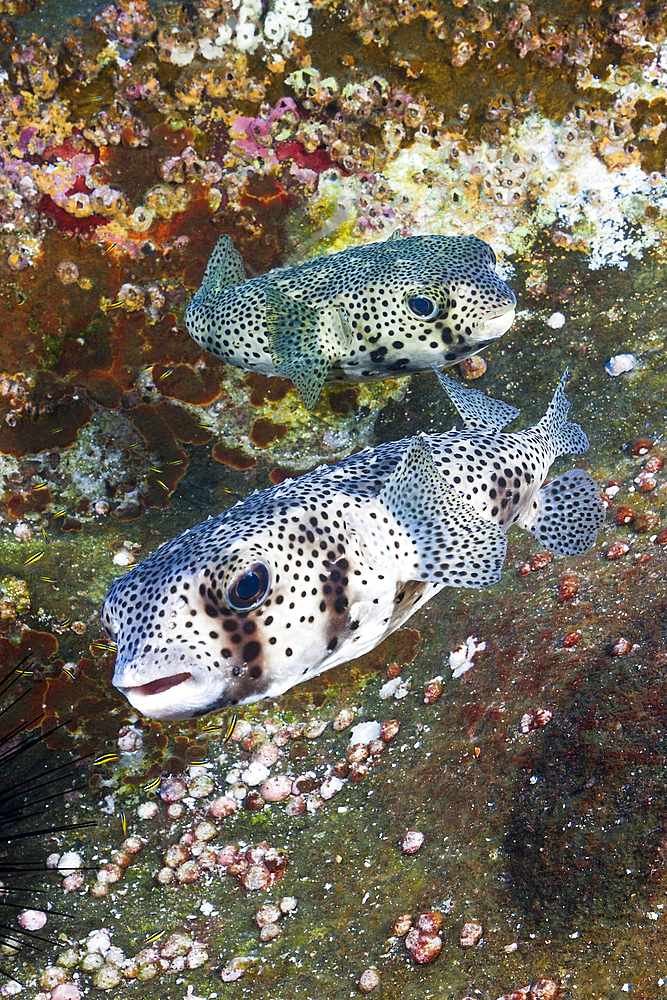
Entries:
{"x":479,"y":412}
{"x":224,"y":269}
{"x":440,"y":539}
{"x":566,"y":438}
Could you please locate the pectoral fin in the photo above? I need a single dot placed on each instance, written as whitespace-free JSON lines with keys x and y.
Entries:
{"x":304,"y":342}
{"x":431,"y":532}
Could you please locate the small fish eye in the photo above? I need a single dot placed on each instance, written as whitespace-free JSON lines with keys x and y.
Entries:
{"x":249,"y":588}
{"x":422,"y":306}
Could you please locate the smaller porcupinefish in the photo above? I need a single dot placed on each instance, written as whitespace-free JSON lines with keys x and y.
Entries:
{"x":368,"y":312}
{"x":306,"y":575}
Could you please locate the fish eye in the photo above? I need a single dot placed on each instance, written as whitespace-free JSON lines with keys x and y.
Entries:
{"x":249,"y":588}
{"x":422,"y":306}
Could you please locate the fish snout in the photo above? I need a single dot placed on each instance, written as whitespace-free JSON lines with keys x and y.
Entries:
{"x":499,"y":314}
{"x":168,"y":691}
{"x":182,"y":679}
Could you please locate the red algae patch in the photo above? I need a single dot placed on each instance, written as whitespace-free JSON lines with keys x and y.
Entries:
{"x":20,"y":504}
{"x":53,"y":425}
{"x":647,"y":521}
{"x":641,"y":447}
{"x":265,"y":389}
{"x":625,"y":515}
{"x":187,"y":383}
{"x":424,"y":941}
{"x":568,"y":587}
{"x":235,"y":458}
{"x":343,"y":401}
{"x":264,"y":432}
{"x":472,"y":368}
{"x":470,"y":934}
{"x":617,"y":550}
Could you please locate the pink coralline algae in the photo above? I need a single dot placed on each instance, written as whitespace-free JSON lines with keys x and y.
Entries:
{"x":256,"y":137}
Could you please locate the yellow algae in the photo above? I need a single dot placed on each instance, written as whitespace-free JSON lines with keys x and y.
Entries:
{"x":14,"y":599}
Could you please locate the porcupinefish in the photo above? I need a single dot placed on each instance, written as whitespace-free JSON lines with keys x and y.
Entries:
{"x":368,"y":312}
{"x":306,"y":575}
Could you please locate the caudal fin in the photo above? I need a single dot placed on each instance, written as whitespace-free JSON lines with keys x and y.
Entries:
{"x":566,"y":438}
{"x":567,"y":513}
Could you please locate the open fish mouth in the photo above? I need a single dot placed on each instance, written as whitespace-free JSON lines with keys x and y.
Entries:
{"x":498,"y":324}
{"x":157,"y":686}
{"x":182,"y":695}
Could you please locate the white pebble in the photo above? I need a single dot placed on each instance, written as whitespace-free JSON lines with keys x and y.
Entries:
{"x":23,"y":532}
{"x":331,"y":787}
{"x":461,"y":659}
{"x":147,"y":810}
{"x":123,"y":558}
{"x":255,"y":773}
{"x":365,"y":732}
{"x":69,"y":862}
{"x":556,"y":320}
{"x":389,"y":689}
{"x":403,"y":690}
{"x":98,"y":942}
{"x":621,"y":363}
{"x":412,"y":841}
{"x":11,"y":989}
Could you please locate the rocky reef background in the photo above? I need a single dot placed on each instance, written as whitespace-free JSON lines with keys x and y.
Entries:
{"x":131,"y":137}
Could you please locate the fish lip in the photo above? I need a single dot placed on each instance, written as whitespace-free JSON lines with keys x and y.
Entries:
{"x":159,"y":685}
{"x":171,"y":697}
{"x":498,"y":324}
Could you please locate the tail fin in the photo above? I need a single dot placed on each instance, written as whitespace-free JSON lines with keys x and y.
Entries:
{"x":567,"y":514}
{"x":224,"y":269}
{"x":566,"y":438}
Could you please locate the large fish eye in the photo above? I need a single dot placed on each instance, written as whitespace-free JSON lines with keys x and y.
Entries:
{"x":249,"y":588}
{"x":422,"y":306}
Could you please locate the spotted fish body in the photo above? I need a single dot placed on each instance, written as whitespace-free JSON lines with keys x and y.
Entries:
{"x":369,"y":312}
{"x":317,"y":571}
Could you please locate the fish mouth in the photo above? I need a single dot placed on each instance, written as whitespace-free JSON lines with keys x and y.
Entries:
{"x":160,"y":685}
{"x":173,"y":697}
{"x":498,"y":324}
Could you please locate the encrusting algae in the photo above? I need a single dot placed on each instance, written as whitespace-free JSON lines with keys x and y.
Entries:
{"x":131,"y":141}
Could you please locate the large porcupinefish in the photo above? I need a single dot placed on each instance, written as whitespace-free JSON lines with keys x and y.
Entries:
{"x":369,"y":312}
{"x":317,"y":571}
